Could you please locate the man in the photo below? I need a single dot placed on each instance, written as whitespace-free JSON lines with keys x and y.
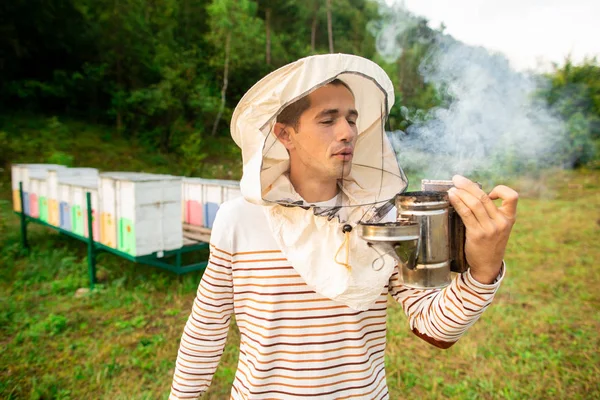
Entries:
{"x":285,"y":259}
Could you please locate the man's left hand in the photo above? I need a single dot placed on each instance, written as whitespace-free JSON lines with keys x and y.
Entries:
{"x":488,"y":226}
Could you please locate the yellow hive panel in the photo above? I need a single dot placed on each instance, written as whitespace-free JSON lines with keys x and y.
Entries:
{"x":16,"y":201}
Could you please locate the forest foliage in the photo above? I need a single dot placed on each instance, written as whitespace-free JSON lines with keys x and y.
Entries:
{"x":168,"y":73}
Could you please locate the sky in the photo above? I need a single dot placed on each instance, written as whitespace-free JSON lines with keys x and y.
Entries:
{"x":531,"y":33}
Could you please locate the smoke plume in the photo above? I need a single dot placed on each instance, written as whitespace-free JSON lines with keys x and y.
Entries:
{"x":492,"y":123}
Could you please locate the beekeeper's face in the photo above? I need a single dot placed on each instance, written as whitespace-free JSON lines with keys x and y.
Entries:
{"x":322,"y":141}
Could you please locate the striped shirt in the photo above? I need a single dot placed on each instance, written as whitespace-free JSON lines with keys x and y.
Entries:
{"x":294,"y":343}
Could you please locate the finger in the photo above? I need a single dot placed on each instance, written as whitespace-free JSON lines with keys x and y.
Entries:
{"x":477,"y":208}
{"x":465,"y":184}
{"x":463,"y":210}
{"x":509,"y":197}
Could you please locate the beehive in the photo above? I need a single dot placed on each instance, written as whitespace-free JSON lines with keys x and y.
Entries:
{"x":35,"y":183}
{"x":64,"y":202}
{"x":193,"y":200}
{"x":216,"y":192}
{"x":203,"y":197}
{"x":79,"y":187}
{"x":140,"y":213}
{"x":95,"y":198}
{"x":21,"y":173}
{"x":55,"y":175}
{"x":231,"y":190}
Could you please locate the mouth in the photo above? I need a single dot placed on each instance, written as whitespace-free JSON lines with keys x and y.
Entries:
{"x":345,"y":155}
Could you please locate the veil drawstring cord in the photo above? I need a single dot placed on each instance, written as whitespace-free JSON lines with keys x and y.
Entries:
{"x":346,"y":229}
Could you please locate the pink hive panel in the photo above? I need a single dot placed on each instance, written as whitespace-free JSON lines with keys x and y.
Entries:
{"x":194,"y":212}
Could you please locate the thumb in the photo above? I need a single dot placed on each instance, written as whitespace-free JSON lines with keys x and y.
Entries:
{"x":509,"y":198}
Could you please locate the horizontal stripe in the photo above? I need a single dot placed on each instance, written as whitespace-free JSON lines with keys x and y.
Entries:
{"x":245,"y":253}
{"x":276,"y":293}
{"x":290,"y":301}
{"x":213,"y":256}
{"x":304,"y":352}
{"x":308,"y":317}
{"x":312,"y":326}
{"x":295,"y":377}
{"x":260,"y":260}
{"x":377,"y":355}
{"x":220,"y":250}
{"x":311,"y":394}
{"x":287,"y":267}
{"x":314,"y":386}
{"x":296,"y":276}
{"x":317,"y":343}
{"x":282,"y":310}
{"x":320,"y":334}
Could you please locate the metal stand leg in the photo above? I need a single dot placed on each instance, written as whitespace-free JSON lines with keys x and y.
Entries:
{"x":24,"y":242}
{"x":178,"y":259}
{"x":91,"y":247}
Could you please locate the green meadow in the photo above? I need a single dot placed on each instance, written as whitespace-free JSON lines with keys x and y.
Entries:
{"x":540,"y":339}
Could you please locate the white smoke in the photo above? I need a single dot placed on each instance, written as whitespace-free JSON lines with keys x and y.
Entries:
{"x":388,"y":30}
{"x":492,"y":121}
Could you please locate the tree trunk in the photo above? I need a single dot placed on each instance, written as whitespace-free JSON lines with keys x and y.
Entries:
{"x":120,"y":86}
{"x":225,"y":83}
{"x":186,"y":12}
{"x":268,"y":26}
{"x":329,"y":27}
{"x":313,"y":31}
{"x":119,"y":71}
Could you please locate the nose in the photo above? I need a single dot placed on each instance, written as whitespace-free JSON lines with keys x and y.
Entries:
{"x":346,"y":131}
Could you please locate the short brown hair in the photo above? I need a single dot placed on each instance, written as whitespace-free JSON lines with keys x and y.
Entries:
{"x":291,"y":114}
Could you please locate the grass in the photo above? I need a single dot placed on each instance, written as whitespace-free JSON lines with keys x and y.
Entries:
{"x":540,"y":338}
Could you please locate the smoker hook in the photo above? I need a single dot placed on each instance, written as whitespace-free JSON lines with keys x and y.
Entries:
{"x":380,"y":258}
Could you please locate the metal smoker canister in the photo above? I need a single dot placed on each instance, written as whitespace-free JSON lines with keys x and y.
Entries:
{"x":430,"y":211}
{"x":456,"y":227}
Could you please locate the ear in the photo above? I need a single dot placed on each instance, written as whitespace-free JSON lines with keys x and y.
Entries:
{"x":283,"y":134}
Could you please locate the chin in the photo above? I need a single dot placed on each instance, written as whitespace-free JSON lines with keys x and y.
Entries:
{"x":343,"y":171}
{"x":347,"y":169}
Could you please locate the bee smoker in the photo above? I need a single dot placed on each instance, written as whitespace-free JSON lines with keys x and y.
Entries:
{"x":427,"y":240}
{"x":456,"y":227}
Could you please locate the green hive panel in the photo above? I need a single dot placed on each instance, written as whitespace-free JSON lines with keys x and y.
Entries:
{"x":43,"y":204}
{"x":126,"y":236}
{"x":77,"y":220}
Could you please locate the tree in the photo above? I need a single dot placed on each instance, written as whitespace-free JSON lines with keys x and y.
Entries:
{"x":237,"y":31}
{"x":574,"y":93}
{"x":314,"y":25}
{"x":329,"y":27}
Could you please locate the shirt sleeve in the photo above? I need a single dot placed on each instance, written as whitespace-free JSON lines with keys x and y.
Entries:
{"x":205,"y":332}
{"x":442,"y":316}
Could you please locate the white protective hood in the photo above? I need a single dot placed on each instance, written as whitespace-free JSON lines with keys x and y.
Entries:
{"x":336,"y":264}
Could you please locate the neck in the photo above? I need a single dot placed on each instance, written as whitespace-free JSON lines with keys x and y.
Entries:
{"x":312,"y":189}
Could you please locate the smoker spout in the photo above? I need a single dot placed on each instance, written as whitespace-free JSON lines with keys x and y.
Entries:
{"x":399,"y":240}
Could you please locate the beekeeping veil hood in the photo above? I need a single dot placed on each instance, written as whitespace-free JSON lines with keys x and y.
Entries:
{"x":320,"y":241}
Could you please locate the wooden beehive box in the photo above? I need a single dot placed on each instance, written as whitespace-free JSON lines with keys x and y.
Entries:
{"x":54,"y":176}
{"x":64,"y":202}
{"x":21,"y":173}
{"x":216,"y":192}
{"x":231,"y":190}
{"x":193,"y":200}
{"x":78,"y":195}
{"x":36,"y":197}
{"x":140,"y":213}
{"x":203,"y":197}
